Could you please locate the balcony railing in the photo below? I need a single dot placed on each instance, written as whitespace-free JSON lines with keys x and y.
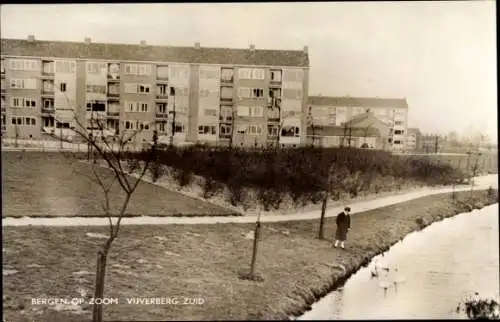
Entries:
{"x":113,"y":94}
{"x":113,"y":114}
{"x":113,"y":78}
{"x":226,"y":99}
{"x":161,"y":115}
{"x":161,"y":97}
{"x":48,"y":110}
{"x":227,"y":79}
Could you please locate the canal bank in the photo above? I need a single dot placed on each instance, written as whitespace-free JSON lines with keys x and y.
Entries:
{"x":206,"y":261}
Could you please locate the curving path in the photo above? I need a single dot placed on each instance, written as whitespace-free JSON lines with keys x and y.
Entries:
{"x":482,"y":182}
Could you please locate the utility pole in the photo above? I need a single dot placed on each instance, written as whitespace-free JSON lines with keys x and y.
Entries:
{"x":350,"y":133}
{"x":172,"y":93}
{"x":436,"y":144}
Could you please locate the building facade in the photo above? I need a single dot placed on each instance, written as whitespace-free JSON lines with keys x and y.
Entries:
{"x":413,"y":139}
{"x":341,"y":111}
{"x":193,"y":94}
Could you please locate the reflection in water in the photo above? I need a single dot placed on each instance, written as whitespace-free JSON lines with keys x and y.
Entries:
{"x":429,"y":273}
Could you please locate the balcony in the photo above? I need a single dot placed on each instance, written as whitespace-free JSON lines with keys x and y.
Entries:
{"x":226,"y":99}
{"x":48,"y":110}
{"x":112,"y":114}
{"x":4,"y":109}
{"x":161,"y":115}
{"x":47,"y":92}
{"x":161,"y":97}
{"x":113,"y":94}
{"x":47,"y":75}
{"x":113,"y":78}
{"x":161,"y":80}
{"x":227,"y":80}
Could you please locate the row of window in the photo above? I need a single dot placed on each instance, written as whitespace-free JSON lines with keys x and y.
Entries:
{"x":23,"y":83}
{"x":251,"y":73}
{"x":142,"y":107}
{"x":248,"y":92}
{"x":253,"y":111}
{"x":22,"y":102}
{"x":137,"y":69}
{"x":136,"y":125}
{"x":96,"y":89}
{"x":17,"y":120}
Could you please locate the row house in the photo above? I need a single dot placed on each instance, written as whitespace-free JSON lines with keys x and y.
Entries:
{"x":184,"y":94}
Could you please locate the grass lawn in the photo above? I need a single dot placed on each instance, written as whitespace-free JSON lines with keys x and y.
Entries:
{"x":205,"y":261}
{"x":49,"y":185}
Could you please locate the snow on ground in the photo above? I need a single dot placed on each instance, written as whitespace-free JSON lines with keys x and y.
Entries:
{"x":482,"y":182}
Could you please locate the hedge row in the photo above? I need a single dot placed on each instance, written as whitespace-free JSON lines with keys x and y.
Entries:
{"x":302,"y":173}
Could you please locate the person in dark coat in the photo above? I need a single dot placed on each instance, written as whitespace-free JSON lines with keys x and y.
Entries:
{"x":343,"y":225}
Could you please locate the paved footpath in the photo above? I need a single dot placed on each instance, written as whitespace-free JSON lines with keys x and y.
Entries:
{"x":483,"y":182}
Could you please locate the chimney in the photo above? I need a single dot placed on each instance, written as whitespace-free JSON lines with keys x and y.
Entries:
{"x":197,"y":45}
{"x":31,"y":38}
{"x":306,"y":49}
{"x":252,"y":47}
{"x":143,"y":42}
{"x":87,"y":40}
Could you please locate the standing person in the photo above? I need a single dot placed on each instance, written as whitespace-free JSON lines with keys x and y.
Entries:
{"x":343,"y":222}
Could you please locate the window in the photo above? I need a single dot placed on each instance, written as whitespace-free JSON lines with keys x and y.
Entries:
{"x":257,"y":92}
{"x":48,"y":86}
{"x":29,"y":103}
{"x":256,"y":111}
{"x":62,"y":87}
{"x":96,"y":106}
{"x":161,"y":126}
{"x":245,"y":73}
{"x":130,"y":69}
{"x":272,"y":130}
{"x":275,"y":75}
{"x":143,"y":89}
{"x":130,"y":106}
{"x":241,"y":128}
{"x":258,"y":74}
{"x":293,"y":75}
{"x":96,"y":68}
{"x":24,"y":64}
{"x":129,"y":125}
{"x":208,"y":74}
{"x":16,"y":102}
{"x":30,"y":121}
{"x":243,"y":110}
{"x":398,"y":132}
{"x":144,"y":70}
{"x":254,"y":129}
{"x":398,"y":123}
{"x":114,"y":89}
{"x":130,"y":88}
{"x":47,"y":103}
{"x":97,"y":88}
{"x":2,"y":65}
{"x":179,"y":128}
{"x":161,"y":108}
{"x":161,"y":90}
{"x":17,"y":120}
{"x":210,"y":112}
{"x":144,"y":107}
{"x":226,"y":129}
{"x":290,"y":131}
{"x":143,"y":126}
{"x":207,"y":129}
{"x":397,"y":142}
{"x":48,"y":67}
{"x":26,"y":83}
{"x":162,"y":72}
{"x":179,"y":71}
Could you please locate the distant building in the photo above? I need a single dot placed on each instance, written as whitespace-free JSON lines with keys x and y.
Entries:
{"x":388,"y":115}
{"x":413,"y":139}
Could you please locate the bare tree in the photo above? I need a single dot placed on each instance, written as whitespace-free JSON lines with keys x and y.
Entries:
{"x":114,"y":154}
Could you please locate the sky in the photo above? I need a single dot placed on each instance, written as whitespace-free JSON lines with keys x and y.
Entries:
{"x":439,"y":55}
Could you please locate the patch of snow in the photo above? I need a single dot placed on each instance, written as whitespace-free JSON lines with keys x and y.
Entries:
{"x":122,"y":266}
{"x":250,"y":235}
{"x":8,"y":272}
{"x":285,"y":232}
{"x":125,"y":273}
{"x":71,"y":307}
{"x":81,"y":273}
{"x":97,"y":235}
{"x":159,"y":266}
{"x":34,"y":266}
{"x":160,"y":238}
{"x":171,"y":254}
{"x":141,"y":261}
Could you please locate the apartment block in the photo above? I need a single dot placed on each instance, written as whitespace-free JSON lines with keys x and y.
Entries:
{"x":220,"y":96}
{"x":326,"y":111}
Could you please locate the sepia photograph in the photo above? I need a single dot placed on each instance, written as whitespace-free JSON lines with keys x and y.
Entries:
{"x":249,"y":161}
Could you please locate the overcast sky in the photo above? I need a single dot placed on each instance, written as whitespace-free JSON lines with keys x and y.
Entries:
{"x":441,"y":56}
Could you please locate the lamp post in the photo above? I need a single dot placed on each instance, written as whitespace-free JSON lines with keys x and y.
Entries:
{"x":172,"y":93}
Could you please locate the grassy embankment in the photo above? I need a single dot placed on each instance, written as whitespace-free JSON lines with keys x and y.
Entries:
{"x":205,"y":261}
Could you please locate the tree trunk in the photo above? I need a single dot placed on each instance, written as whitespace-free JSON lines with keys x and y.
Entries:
{"x":322,"y":218}
{"x":102,"y":257}
{"x":254,"y":253}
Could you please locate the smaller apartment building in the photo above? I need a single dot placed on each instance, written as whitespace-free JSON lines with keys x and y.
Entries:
{"x":208,"y":95}
{"x":385,"y":114}
{"x":413,"y":139}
